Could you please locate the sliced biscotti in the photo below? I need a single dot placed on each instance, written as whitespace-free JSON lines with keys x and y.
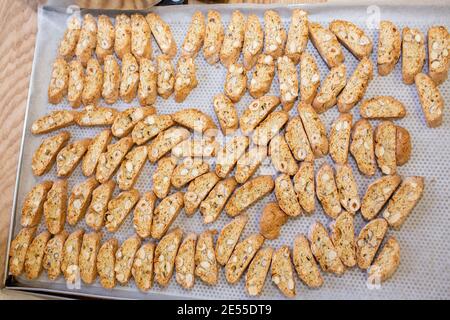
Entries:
{"x":413,"y":54}
{"x":119,"y":208}
{"x":35,"y":255}
{"x":327,"y":191}
{"x":109,"y":161}
{"x":385,"y":147}
{"x":93,"y":82}
{"x":262,"y":76}
{"x":125,"y":121}
{"x":185,"y":262}
{"x":105,"y":38}
{"x":68,"y":43}
{"x":195,"y":35}
{"x":271,"y":221}
{"x":347,"y":188}
{"x":305,"y":264}
{"x":282,"y":271}
{"x":377,"y":194}
{"x":233,"y":39}
{"x":314,"y":128}
{"x":70,"y":156}
{"x":124,"y":259}
{"x":87,"y":40}
{"x":226,"y":113}
{"x":257,"y":271}
{"x":197,"y":191}
{"x":403,"y":201}
{"x":235,"y":82}
{"x":106,"y":261}
{"x":343,"y":238}
{"x":352,"y":37}
{"x":288,"y":81}
{"x":45,"y":155}
{"x":297,"y":140}
{"x":95,"y":215}
{"x":53,"y":255}
{"x":249,"y":162}
{"x":270,"y":127}
{"x":122,"y":41}
{"x":332,"y":85}
{"x":340,"y":138}
{"x":386,"y":263}
{"x":229,"y":237}
{"x":70,"y":256}
{"x":185,"y":78}
{"x":403,"y":146}
{"x":129,"y":79}
{"x":248,"y":194}
{"x":53,"y":121}
{"x":204,"y":147}
{"x":142,"y":269}
{"x":141,"y":43}
{"x":214,"y":203}
{"x":194,"y":119}
{"x":161,"y":176}
{"x":95,"y":149}
{"x":75,"y":83}
{"x":143,"y":214}
{"x":309,"y":77}
{"x":148,"y":77}
{"x":389,"y":46}
{"x":165,"y":214}
{"x":163,"y":34}
{"x":297,"y":37}
{"x":253,"y":41}
{"x":18,"y":250}
{"x":281,"y":156}
{"x":286,"y":197}
{"x":165,"y":255}
{"x":188,"y":170}
{"x":256,"y":112}
{"x":205,"y":259}
{"x":431,"y":100}
{"x":59,"y":81}
{"x":241,"y":257}
{"x":92,"y":116}
{"x":214,"y":35}
{"x":362,"y":147}
{"x":438,"y":47}
{"x":382,"y":107}
{"x":131,"y":167}
{"x":229,"y":155}
{"x":166,"y":76}
{"x":356,"y":85}
{"x":326,"y":44}
{"x":275,"y":34}
{"x":304,"y":186}
{"x":79,"y":200}
{"x":150,"y":127}
{"x":33,"y":204}
{"x":369,"y":240}
{"x":88,"y":256}
{"x":55,"y":207}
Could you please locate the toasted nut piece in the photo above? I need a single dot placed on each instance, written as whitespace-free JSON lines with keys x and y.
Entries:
{"x":33,"y":204}
{"x":233,"y":39}
{"x":297,"y":37}
{"x":187,"y":171}
{"x":141,"y":43}
{"x":332,"y":85}
{"x":95,"y":149}
{"x":262,"y":76}
{"x":413,"y":54}
{"x":105,"y":38}
{"x":165,"y":255}
{"x":185,"y":78}
{"x":185,"y":262}
{"x":165,"y":141}
{"x":148,"y":77}
{"x":45,"y":155}
{"x":142,"y":269}
{"x":228,"y":238}
{"x":281,"y":156}
{"x":162,"y":175}
{"x":249,"y":162}
{"x":165,"y":214}
{"x":129,"y":80}
{"x":340,"y":137}
{"x":229,"y":155}
{"x":256,"y":112}
{"x":122,"y":44}
{"x":248,"y":194}
{"x":131,"y":167}
{"x":106,"y":261}
{"x":203,"y":147}
{"x":253,"y":41}
{"x":205,"y":259}
{"x":150,"y":127}
{"x":386,"y":262}
{"x":297,"y":140}
{"x":305,"y":264}
{"x":111,"y":80}
{"x":195,"y":35}
{"x":352,"y":37}
{"x":382,"y":107}
{"x":275,"y":35}
{"x":257,"y":271}
{"x":126,"y":120}
{"x":385,"y":147}
{"x":327,"y":191}
{"x":163,"y":34}
{"x":110,"y":160}
{"x":314,"y":128}
{"x":286,"y":197}
{"x":270,"y":127}
{"x":87,"y":40}
{"x":356,"y":85}
{"x":389,"y":45}
{"x":55,"y":207}
{"x":309,"y":77}
{"x":53,"y":121}
{"x":119,"y":208}
{"x":324,"y":251}
{"x":124,"y":259}
{"x":369,"y":240}
{"x":59,"y":82}
{"x":143,"y":214}
{"x":304,"y":186}
{"x":235,"y":82}
{"x":93,"y":82}
{"x":194,"y":119}
{"x":377,"y":194}
{"x":362,"y":147}
{"x":326,"y":44}
{"x":214,"y":203}
{"x":347,"y":188}
{"x":343,"y":237}
{"x":271,"y":221}
{"x":288,"y":80}
{"x":197,"y":191}
{"x":403,"y":201}
{"x":70,"y":256}
{"x":403,"y":146}
{"x":226,"y":113}
{"x":438,"y":59}
{"x":69,"y":157}
{"x":282,"y":271}
{"x":166,"y":76}
{"x":53,"y":255}
{"x":88,"y":256}
{"x":79,"y":200}
{"x":95,"y":215}
{"x":18,"y":250}
{"x":431,"y":100}
{"x":96,"y":116}
{"x":214,"y":35}
{"x":69,"y":41}
{"x":75,"y":84}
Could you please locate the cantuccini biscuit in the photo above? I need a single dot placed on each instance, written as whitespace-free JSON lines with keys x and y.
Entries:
{"x":148,"y":78}
{"x":18,"y":250}
{"x":111,"y":79}
{"x":150,"y":127}
{"x":229,"y":237}
{"x":33,"y":204}
{"x":235,"y":82}
{"x":332,"y":85}
{"x":297,"y":37}
{"x":59,"y":81}
{"x":122,"y":43}
{"x":166,"y":76}
{"x":75,"y":83}
{"x":141,"y":43}
{"x":88,"y":39}
{"x":92,"y":116}
{"x":95,"y":215}
{"x":403,"y":146}
{"x":343,"y":237}
{"x":275,"y":35}
{"x":304,"y":186}
{"x":142,"y":269}
{"x":95,"y":149}
{"x":214,"y":35}
{"x":109,"y":161}
{"x":45,"y":155}
{"x":340,"y":132}
{"x":382,"y":107}
{"x":347,"y":188}
{"x":70,"y":156}
{"x":369,"y":240}
{"x":385,"y":147}
{"x":165,"y":214}
{"x":253,"y":41}
{"x":413,"y":54}
{"x":327,"y":191}
{"x":188,"y":170}
{"x":53,"y":121}
{"x":165,"y":255}
{"x":226,"y":113}
{"x":305,"y":264}
{"x":143,"y":214}
{"x":194,"y":119}
{"x":203,"y":147}
{"x":233,"y":39}
{"x":185,"y":262}
{"x":124,"y":257}
{"x":93,"y":82}
{"x":352,"y":37}
{"x":55,"y":207}
{"x":70,"y":257}
{"x":438,"y":59}
{"x":131,"y":167}
{"x":288,"y":80}
{"x":377,"y":194}
{"x":119,"y":208}
{"x":205,"y":259}
{"x":256,"y":112}
{"x":161,"y":176}
{"x":297,"y":140}
{"x":389,"y":47}
{"x":326,"y":44}
{"x":185,"y":78}
{"x":229,"y":155}
{"x":193,"y":41}
{"x":197,"y":191}
{"x":286,"y":197}
{"x":386,"y":263}
{"x":106,"y":262}
{"x":105,"y":38}
{"x":271,"y":221}
{"x":88,"y":256}
{"x":69,"y":41}
{"x":362,"y":147}
{"x":281,"y":156}
{"x":163,"y":34}
{"x":53,"y":255}
{"x":431,"y":100}
{"x":262,"y":76}
{"x":214,"y":203}
{"x":129,"y":79}
{"x":309,"y":77}
{"x":257,"y":271}
{"x":79,"y":200}
{"x":270,"y":127}
{"x":314,"y":128}
{"x":249,"y":162}
{"x":282,"y":271}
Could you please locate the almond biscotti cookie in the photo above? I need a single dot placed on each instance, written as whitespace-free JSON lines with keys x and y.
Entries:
{"x":70,"y":257}
{"x":214,"y":35}
{"x":95,"y":149}
{"x":356,"y":85}
{"x":233,"y":39}
{"x":253,"y":41}
{"x":226,"y":113}
{"x":70,"y":156}
{"x":95,"y":215}
{"x":403,"y":146}
{"x":431,"y":100}
{"x":271,"y":221}
{"x":327,"y":191}
{"x":309,"y":77}
{"x":105,"y":38}
{"x":413,"y":54}
{"x":257,"y":271}
{"x":326,"y":44}
{"x":75,"y":84}
{"x":111,"y":80}
{"x":18,"y":250}
{"x":163,"y":34}
{"x":131,"y":167}
{"x":282,"y":271}
{"x":241,"y":257}
{"x":389,"y":46}
{"x":369,"y":240}
{"x":304,"y":186}
{"x":297,"y":37}
{"x":55,"y":207}
{"x":165,"y":214}
{"x":106,"y":261}
{"x":352,"y":37}
{"x":256,"y":112}
{"x":150,"y":127}
{"x":69,"y":41}
{"x":286,"y":197}
{"x":270,"y":127}
{"x":249,"y":162}
{"x":141,"y":43}
{"x":262,"y":76}
{"x":79,"y":200}
{"x":143,"y":214}
{"x":185,"y":78}
{"x":122,"y":43}
{"x":124,"y":259}
{"x":362,"y":147}
{"x":119,"y":208}
{"x":377,"y":194}
{"x":165,"y":255}
{"x":340,"y":138}
{"x":53,"y":121}
{"x":161,"y":176}
{"x":59,"y":81}
{"x":248,"y":194}
{"x":297,"y":140}
{"x":53,"y":254}
{"x":166,"y":76}
{"x":148,"y":78}
{"x":193,"y":41}
{"x":129,"y":79}
{"x":305,"y":264}
{"x":204,"y":147}
{"x":403,"y":201}
{"x":93,"y":82}
{"x":88,"y":39}
{"x":88,"y":256}
{"x":275,"y":35}
{"x":194,"y":119}
{"x":235,"y":82}
{"x":229,"y":155}
{"x":142,"y":269}
{"x":33,"y":204}
{"x":185,"y":262}
{"x":197,"y":191}
{"x":331,"y":87}
{"x":109,"y":161}
{"x":205,"y":259}
{"x":92,"y":116}
{"x":385,"y":147}
{"x":347,"y":188}
{"x":438,"y":47}
{"x":281,"y":156}
{"x":314,"y":128}
{"x":188,"y":170}
{"x":288,"y":80}
{"x":45,"y":155}
{"x":382,"y":107}
{"x":343,"y":238}
{"x":214,"y":203}
{"x":386,"y":263}
{"x":228,"y":238}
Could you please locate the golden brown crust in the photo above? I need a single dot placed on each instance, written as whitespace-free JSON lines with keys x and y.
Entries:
{"x":233,"y":39}
{"x":413,"y":54}
{"x":75,"y":83}
{"x":185,"y":262}
{"x":229,"y":237}
{"x":213,"y":37}
{"x":309,"y":77}
{"x":131,"y":167}
{"x":87,"y":40}
{"x":257,"y":271}
{"x":53,"y":121}
{"x":352,"y":37}
{"x":256,"y":112}
{"x":271,"y":221}
{"x":105,"y":38}
{"x":382,"y":107}
{"x":195,"y":35}
{"x":431,"y":100}
{"x":438,"y":47}
{"x":95,"y":215}
{"x":226,"y":113}
{"x":403,"y":146}
{"x":389,"y":47}
{"x":143,"y":214}
{"x":45,"y":155}
{"x":163,"y":34}
{"x":340,"y":138}
{"x":385,"y":147}
{"x":229,"y":155}
{"x":18,"y":250}
{"x":377,"y":194}
{"x":369,"y":240}
{"x":165,"y":214}
{"x":197,"y":191}
{"x":124,"y":259}
{"x":282,"y":271}
{"x":106,"y":261}
{"x":343,"y":238}
{"x":304,"y":186}
{"x":347,"y":188}
{"x":262,"y":76}
{"x":235,"y":82}
{"x":362,"y":147}
{"x":141,"y":43}
{"x":253,"y":41}
{"x":214,"y":203}
{"x":88,"y":256}
{"x":275,"y":35}
{"x":386,"y":263}
{"x":55,"y":207}
{"x":53,"y":255}
{"x":297,"y":37}
{"x":122,"y":44}
{"x":93,"y":82}
{"x":314,"y":128}
{"x":110,"y":160}
{"x":119,"y":208}
{"x":165,"y":255}
{"x":95,"y":149}
{"x":142,"y":269}
{"x":70,"y":156}
{"x":33,"y":204}
{"x":185,"y":78}
{"x":69,"y":41}
{"x":205,"y":259}
{"x":129,"y":79}
{"x":327,"y":191}
{"x":79,"y":200}
{"x":305,"y":264}
{"x":326,"y":44}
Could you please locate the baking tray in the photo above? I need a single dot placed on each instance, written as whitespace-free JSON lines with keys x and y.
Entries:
{"x":424,"y":272}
